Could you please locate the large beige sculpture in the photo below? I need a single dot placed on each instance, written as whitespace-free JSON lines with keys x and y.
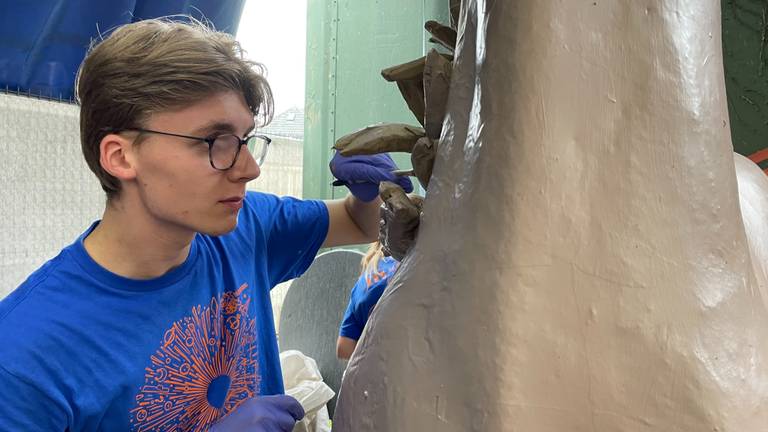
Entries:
{"x":582,"y":263}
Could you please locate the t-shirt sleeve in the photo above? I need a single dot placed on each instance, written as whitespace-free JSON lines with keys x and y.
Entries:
{"x":351,"y":327}
{"x":25,"y":408}
{"x":294,"y":230}
{"x":368,"y":301}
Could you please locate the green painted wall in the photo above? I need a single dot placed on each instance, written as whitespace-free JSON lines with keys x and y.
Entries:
{"x":745,"y":46}
{"x":349,"y":42}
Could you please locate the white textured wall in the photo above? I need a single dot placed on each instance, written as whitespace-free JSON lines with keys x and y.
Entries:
{"x":48,"y":195}
{"x":283,"y":168}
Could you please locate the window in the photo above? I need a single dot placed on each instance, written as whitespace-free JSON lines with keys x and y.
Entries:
{"x":274,"y":34}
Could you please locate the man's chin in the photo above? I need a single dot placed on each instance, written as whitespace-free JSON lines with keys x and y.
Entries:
{"x":215,"y":231}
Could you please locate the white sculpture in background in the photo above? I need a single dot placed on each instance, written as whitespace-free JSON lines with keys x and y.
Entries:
{"x":582,"y":263}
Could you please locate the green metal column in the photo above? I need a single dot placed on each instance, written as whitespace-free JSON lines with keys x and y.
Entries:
{"x":320,"y":99}
{"x":349,"y":42}
{"x":745,"y":47}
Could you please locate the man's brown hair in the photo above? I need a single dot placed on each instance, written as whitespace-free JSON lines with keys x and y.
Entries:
{"x":158,"y":65}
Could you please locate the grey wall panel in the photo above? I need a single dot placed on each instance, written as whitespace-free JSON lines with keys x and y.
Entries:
{"x":313,"y":308}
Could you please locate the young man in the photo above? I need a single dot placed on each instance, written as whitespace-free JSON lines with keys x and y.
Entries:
{"x":158,"y":317}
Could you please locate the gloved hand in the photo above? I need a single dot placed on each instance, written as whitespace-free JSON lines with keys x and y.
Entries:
{"x":277,"y":413}
{"x":362,"y":174}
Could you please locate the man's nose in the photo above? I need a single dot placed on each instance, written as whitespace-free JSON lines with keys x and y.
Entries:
{"x":245,"y":168}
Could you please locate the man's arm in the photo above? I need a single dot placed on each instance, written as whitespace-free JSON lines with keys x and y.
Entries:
{"x":26,"y":408}
{"x":352,"y":221}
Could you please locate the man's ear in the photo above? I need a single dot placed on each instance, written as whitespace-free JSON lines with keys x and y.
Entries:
{"x":117,"y":157}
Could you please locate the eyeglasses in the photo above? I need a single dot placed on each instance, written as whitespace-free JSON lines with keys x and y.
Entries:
{"x":224,"y":149}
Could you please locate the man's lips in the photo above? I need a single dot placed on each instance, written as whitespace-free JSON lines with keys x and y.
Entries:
{"x":234,"y":203}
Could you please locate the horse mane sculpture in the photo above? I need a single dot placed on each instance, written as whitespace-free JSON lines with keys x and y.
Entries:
{"x":582,"y":263}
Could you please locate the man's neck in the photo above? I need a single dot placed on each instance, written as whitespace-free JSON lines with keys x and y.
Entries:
{"x":132,"y":246}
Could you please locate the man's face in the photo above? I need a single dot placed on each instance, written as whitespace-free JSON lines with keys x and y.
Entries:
{"x":176,"y":184}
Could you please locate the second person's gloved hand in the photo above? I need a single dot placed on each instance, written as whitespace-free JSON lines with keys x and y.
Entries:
{"x":362,"y":174}
{"x":277,"y":413}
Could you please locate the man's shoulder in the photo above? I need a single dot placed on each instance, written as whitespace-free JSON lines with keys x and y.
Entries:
{"x":256,"y":198}
{"x":270,"y":200}
{"x":43,"y":300}
{"x":271,"y":210}
{"x":258,"y":208}
{"x":22,"y":299}
{"x":29,"y":317}
{"x":265,"y":203}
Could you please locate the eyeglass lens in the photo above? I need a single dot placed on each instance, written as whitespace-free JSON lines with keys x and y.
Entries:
{"x":225,"y":149}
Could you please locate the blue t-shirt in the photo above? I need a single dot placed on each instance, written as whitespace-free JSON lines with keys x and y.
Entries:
{"x":87,"y":350}
{"x":365,"y":294}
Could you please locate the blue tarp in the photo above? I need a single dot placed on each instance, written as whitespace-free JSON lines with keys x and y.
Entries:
{"x":42,"y":42}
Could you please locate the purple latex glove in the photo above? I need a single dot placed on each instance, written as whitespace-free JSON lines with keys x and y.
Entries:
{"x":362,"y":174}
{"x":277,"y":413}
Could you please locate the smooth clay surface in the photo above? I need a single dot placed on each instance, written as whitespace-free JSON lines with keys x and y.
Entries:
{"x":582,"y":263}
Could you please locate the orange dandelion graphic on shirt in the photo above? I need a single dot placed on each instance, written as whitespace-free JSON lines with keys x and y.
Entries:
{"x":207,"y":365}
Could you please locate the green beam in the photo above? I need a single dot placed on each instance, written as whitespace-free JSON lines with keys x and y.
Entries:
{"x":745,"y":49}
{"x":320,"y":96}
{"x":349,"y":42}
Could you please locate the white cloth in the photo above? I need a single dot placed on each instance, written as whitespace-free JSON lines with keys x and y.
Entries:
{"x":304,"y":382}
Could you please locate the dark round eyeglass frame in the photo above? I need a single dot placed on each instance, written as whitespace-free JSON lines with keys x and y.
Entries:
{"x":211,"y":141}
